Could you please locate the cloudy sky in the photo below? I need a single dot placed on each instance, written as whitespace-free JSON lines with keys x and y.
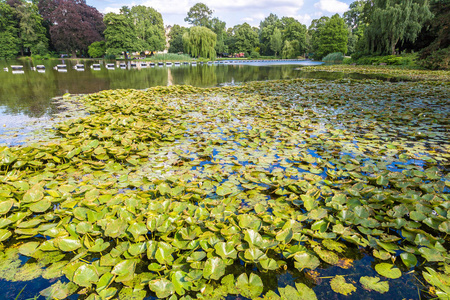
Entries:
{"x":234,"y":11}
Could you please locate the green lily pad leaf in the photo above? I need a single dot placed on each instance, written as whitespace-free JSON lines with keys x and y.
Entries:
{"x":127,"y":293}
{"x":327,"y":256}
{"x":226,"y":250}
{"x":164,"y":188}
{"x":249,"y":286}
{"x":254,"y":255}
{"x":181,"y":282}
{"x":33,"y":195}
{"x":388,"y":270}
{"x":253,"y":238}
{"x":4,"y":234}
{"x":431,"y":254}
{"x":99,"y":246}
{"x":339,"y":285}
{"x":40,"y":206}
{"x":164,"y":253}
{"x":374,"y":284}
{"x":116,"y":228}
{"x":268,"y":264}
{"x":301,"y":292}
{"x":285,"y":236}
{"x":162,"y":287}
{"x":6,"y":206}
{"x":108,"y":293}
{"x":224,"y":190}
{"x":305,"y":260}
{"x":137,"y":249}
{"x":383,"y":181}
{"x":68,"y":244}
{"x":137,"y":229}
{"x":214,"y":268}
{"x":29,"y":248}
{"x":409,"y":259}
{"x":85,"y":275}
{"x":333,"y":245}
{"x":54,"y":270}
{"x":59,"y":290}
{"x":124,"y":270}
{"x":104,"y":282}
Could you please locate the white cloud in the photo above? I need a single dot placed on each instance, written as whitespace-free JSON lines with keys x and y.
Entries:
{"x":304,"y":19}
{"x":109,"y":9}
{"x":332,"y":6}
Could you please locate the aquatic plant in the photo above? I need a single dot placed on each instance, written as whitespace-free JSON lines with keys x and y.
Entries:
{"x":181,"y":192}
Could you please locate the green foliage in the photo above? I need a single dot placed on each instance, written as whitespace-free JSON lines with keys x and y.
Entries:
{"x":176,"y":39}
{"x":296,"y":34}
{"x":288,"y":51}
{"x":119,"y":34}
{"x":246,"y":39}
{"x":331,"y":37}
{"x":389,"y":22}
{"x":148,"y":27}
{"x":9,"y":41}
{"x":97,"y":49}
{"x":266,"y":29}
{"x":334,"y":57}
{"x":276,"y":43}
{"x":439,"y":60}
{"x":399,"y":60}
{"x":199,"y":15}
{"x":200,"y":42}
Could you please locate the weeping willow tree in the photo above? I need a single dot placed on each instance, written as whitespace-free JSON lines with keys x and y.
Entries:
{"x":200,"y":42}
{"x":392,"y":21}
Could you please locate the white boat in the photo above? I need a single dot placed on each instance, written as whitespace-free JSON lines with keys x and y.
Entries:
{"x":152,"y":64}
{"x":5,"y":69}
{"x":168,"y":64}
{"x":177,"y":63}
{"x":185,"y":63}
{"x":144,"y":65}
{"x":17,"y":69}
{"x":123,"y":65}
{"x":110,"y":66}
{"x":60,"y":68}
{"x":79,"y":67}
{"x":194,"y":63}
{"x":133,"y":65}
{"x":161,"y":64}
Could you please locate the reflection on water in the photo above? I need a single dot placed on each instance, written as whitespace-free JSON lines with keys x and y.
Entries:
{"x":30,"y":92}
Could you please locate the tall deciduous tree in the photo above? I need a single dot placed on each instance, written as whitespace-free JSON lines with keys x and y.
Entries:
{"x":218,"y":27}
{"x":276,"y":42}
{"x":32,"y":32}
{"x":176,"y":38}
{"x":392,"y":21}
{"x":266,"y":28}
{"x":149,"y":28}
{"x":295,"y":33}
{"x":9,"y":42}
{"x":200,"y":42}
{"x":333,"y":37}
{"x":246,"y":38}
{"x":199,"y":15}
{"x":74,"y":25}
{"x":315,"y":32}
{"x":119,"y":34}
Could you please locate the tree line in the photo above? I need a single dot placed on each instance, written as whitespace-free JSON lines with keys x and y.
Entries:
{"x":369,"y":27}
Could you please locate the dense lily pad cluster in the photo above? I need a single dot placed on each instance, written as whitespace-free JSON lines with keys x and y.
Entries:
{"x":390,"y":71}
{"x":184,"y":193}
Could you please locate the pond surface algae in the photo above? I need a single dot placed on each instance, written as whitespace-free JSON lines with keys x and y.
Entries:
{"x":300,"y":189}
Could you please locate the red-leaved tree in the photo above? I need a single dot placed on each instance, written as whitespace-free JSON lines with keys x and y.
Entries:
{"x":74,"y":25}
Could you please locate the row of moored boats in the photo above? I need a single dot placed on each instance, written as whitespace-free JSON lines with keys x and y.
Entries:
{"x":18,"y":69}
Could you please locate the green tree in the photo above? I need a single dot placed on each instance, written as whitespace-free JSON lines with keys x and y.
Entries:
{"x":315,"y":32}
{"x":119,"y":34}
{"x":266,"y":29}
{"x":218,"y":27}
{"x":200,"y":41}
{"x":199,"y":15}
{"x":333,"y":37}
{"x":149,"y":28}
{"x":31,"y":31}
{"x":288,"y":50}
{"x":392,"y":21}
{"x":176,"y":38}
{"x":295,"y":33}
{"x":9,"y":42}
{"x":275,"y":41}
{"x":97,"y":49}
{"x":246,"y":38}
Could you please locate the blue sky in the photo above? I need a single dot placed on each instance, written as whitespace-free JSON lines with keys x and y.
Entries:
{"x":234,"y":11}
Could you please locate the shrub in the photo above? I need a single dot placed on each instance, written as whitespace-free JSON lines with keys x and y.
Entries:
{"x":255,"y":54}
{"x":439,"y":60}
{"x":334,"y":57}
